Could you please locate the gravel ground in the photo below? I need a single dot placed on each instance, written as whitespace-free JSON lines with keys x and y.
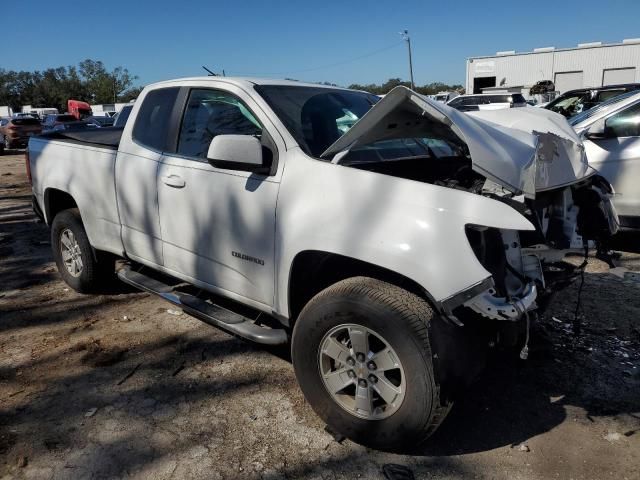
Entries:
{"x":117,"y":385}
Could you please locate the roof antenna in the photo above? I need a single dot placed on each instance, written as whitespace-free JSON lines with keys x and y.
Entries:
{"x":211,"y":74}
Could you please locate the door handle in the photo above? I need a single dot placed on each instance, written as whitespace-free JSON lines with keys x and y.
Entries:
{"x":174,"y":181}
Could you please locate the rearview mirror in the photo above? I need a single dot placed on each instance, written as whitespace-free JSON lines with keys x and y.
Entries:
{"x":237,"y":152}
{"x":597,"y":131}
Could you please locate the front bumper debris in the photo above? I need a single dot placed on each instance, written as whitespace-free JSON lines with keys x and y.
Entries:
{"x":502,"y":308}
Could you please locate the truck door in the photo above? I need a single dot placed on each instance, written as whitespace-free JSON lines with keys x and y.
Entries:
{"x":136,"y":175}
{"x":218,"y":226}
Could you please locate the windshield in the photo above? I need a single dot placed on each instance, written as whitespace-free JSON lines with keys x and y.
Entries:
{"x":603,"y":107}
{"x":435,"y":146}
{"x":316,"y":117}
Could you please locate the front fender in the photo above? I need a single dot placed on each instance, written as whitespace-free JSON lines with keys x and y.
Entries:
{"x":414,"y":229}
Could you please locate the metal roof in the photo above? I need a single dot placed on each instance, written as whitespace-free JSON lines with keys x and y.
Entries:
{"x":244,"y":81}
{"x":580,"y":46}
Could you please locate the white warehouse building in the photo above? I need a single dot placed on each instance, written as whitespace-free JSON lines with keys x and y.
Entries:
{"x":587,"y":65}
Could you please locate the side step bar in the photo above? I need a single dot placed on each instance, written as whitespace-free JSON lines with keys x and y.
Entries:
{"x":207,"y":312}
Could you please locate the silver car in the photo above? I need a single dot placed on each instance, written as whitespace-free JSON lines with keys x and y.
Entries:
{"x":611,"y":134}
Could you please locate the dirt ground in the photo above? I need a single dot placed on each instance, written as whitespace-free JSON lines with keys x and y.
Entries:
{"x":116,"y":385}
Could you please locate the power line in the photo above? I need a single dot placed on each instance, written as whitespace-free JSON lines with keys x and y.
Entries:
{"x":343,"y":62}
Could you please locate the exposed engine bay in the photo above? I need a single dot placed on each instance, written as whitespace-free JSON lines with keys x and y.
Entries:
{"x":530,"y":161}
{"x":526,"y":267}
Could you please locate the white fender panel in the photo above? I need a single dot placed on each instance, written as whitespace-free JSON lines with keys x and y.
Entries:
{"x":409,"y":227}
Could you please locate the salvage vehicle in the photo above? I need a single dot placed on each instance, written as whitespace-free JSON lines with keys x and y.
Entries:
{"x":580,"y":100}
{"x":391,"y":254}
{"x":15,"y":132}
{"x":611,"y":133}
{"x":100,"y":121}
{"x":57,"y":121}
{"x":487,"y":101}
{"x":444,"y":97}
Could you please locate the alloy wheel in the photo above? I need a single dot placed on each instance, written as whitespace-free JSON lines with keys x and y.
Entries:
{"x":71,"y":253}
{"x":361,"y":372}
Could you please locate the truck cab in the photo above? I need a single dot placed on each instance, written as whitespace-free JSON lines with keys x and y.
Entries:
{"x":79,"y":109}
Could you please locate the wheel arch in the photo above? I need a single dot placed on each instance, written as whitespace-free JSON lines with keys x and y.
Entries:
{"x":55,"y":201}
{"x":314,"y":270}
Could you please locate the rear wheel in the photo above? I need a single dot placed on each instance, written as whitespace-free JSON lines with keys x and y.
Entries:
{"x":362,"y":356}
{"x":73,"y":253}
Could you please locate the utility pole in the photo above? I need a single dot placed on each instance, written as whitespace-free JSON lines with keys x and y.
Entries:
{"x":407,"y":38}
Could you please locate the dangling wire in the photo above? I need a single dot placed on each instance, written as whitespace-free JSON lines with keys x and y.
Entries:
{"x":524,"y":353}
{"x":577,"y":326}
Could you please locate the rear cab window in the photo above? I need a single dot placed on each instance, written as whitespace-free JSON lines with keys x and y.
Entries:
{"x":151,"y":126}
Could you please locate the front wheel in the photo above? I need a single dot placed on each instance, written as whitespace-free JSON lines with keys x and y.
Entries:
{"x":73,"y":253}
{"x":362,"y":357}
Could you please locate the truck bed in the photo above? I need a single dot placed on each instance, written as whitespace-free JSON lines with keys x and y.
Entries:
{"x":108,"y":137}
{"x":80,"y":164}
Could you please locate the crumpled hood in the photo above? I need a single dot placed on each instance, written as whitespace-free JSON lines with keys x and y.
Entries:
{"x":561,"y":156}
{"x":507,"y":146}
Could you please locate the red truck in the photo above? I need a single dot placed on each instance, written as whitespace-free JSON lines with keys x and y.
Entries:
{"x":79,"y":109}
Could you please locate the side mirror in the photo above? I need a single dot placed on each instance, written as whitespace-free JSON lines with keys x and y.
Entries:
{"x":237,"y":152}
{"x":597,"y":131}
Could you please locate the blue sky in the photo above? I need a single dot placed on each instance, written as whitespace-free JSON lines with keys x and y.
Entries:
{"x":157,"y":40}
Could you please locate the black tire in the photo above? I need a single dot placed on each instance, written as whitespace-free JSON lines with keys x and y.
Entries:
{"x":93,"y":274}
{"x":2,"y":146}
{"x":403,"y":320}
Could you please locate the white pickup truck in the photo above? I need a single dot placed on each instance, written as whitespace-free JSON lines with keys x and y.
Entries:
{"x":389,"y":241}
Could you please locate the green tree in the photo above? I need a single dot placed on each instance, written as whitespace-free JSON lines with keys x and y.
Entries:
{"x":386,"y":87}
{"x":104,"y":86}
{"x":90,"y":81}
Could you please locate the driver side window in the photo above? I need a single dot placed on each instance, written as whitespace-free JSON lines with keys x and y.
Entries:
{"x":625,"y":123}
{"x":210,"y":113}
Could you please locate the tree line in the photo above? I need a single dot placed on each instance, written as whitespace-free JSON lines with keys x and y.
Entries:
{"x":427,"y":89}
{"x":89,"y":81}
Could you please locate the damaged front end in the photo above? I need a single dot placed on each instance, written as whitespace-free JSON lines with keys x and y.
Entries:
{"x":572,"y":213}
{"x":528,"y":159}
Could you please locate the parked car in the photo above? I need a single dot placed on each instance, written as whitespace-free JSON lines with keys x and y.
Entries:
{"x":121,"y":117}
{"x":577,"y":101}
{"x":542,"y":87}
{"x":26,"y":115}
{"x":444,"y":97}
{"x":487,"y":101}
{"x":16,"y":131}
{"x":611,"y":134}
{"x":100,"y":121}
{"x":390,"y":254}
{"x":56,"y":122}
